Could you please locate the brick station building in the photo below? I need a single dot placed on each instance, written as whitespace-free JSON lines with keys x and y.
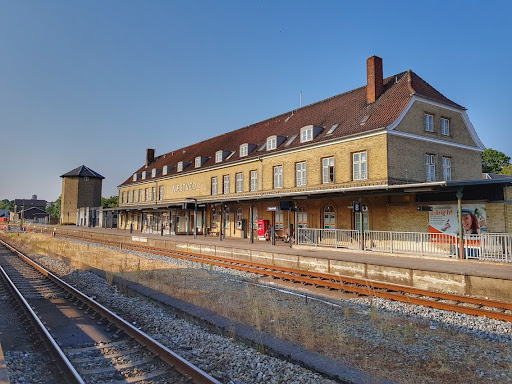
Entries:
{"x":395,"y":145}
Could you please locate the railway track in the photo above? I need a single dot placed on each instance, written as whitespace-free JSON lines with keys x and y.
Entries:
{"x":444,"y":301}
{"x":87,"y":342}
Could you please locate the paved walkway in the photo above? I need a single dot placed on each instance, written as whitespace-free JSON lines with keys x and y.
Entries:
{"x":467,"y":267}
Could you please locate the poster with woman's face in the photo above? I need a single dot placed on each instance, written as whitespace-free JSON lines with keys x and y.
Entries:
{"x":444,"y":219}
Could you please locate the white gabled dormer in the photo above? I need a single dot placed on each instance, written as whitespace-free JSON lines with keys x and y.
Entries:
{"x":274,"y":141}
{"x":143,"y":175}
{"x":309,"y":132}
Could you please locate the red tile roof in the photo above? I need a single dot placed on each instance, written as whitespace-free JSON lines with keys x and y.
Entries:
{"x":346,"y":109}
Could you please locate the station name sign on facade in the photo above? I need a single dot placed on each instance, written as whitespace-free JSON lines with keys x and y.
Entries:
{"x":184,"y":187}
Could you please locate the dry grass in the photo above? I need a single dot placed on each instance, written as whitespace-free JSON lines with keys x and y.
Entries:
{"x":291,"y":318}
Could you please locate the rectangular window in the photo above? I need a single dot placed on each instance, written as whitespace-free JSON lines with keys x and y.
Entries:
{"x":140,"y":195}
{"x":122,"y":197}
{"x":153,"y":172}
{"x":254,"y":180}
{"x":153,"y":193}
{"x":278,"y":176}
{"x":271,"y":143}
{"x":306,"y":134}
{"x":218,"y":156}
{"x":146,"y":194}
{"x":239,"y":182}
{"x":279,"y":221}
{"x":128,"y":196}
{"x":226,"y":184}
{"x":430,"y":162}
{"x":300,"y":174}
{"x":214,"y":186}
{"x":180,"y":166}
{"x":429,"y":123}
{"x":161,"y":192}
{"x":359,"y":166}
{"x":445,"y":127}
{"x":197,"y":162}
{"x":244,"y":150}
{"x":134,"y":196}
{"x":328,"y":170}
{"x":447,"y":168}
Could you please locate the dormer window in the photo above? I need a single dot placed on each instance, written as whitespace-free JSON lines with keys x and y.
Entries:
{"x":197,"y":162}
{"x":153,"y":172}
{"x":180,"y":166}
{"x":143,"y":175}
{"x":165,"y":170}
{"x":218,"y":156}
{"x":306,"y":134}
{"x":271,"y":143}
{"x":134,"y":177}
{"x":244,"y":150}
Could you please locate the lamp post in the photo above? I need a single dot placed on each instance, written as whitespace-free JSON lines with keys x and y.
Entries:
{"x":461,"y":230}
{"x":195,"y":215}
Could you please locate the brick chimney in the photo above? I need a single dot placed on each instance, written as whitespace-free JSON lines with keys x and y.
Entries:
{"x":374,"y":79}
{"x":150,"y":156}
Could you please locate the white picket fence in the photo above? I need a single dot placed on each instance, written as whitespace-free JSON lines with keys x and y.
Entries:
{"x":486,"y":246}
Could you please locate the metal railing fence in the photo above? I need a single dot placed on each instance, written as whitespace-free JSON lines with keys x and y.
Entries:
{"x":337,"y":238}
{"x":485,"y":246}
{"x":421,"y":243}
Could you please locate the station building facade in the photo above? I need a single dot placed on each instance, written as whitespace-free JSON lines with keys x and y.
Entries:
{"x":393,"y":145}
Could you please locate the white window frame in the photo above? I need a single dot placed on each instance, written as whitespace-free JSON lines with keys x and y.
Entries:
{"x":143,"y":175}
{"x":165,"y":169}
{"x":306,"y":134}
{"x":239,"y":182}
{"x":301,"y":174}
{"x":218,"y":156}
{"x":146,"y":194}
{"x":430,"y":165}
{"x":328,"y":170}
{"x":271,"y":142}
{"x":122,"y":197}
{"x":179,"y":167}
{"x":447,"y":168}
{"x":278,"y":177}
{"x":134,"y":196}
{"x":140,"y":195}
{"x":153,"y":172}
{"x":244,"y":150}
{"x":360,"y":166}
{"x":428,"y":122}
{"x":128,"y":197}
{"x":197,"y":162}
{"x":134,"y":177}
{"x":215,"y":185}
{"x":153,"y":193}
{"x":445,"y":126}
{"x":161,"y":192}
{"x":254,"y":180}
{"x":226,"y":184}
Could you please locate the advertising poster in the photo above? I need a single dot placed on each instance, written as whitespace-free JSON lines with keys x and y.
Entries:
{"x":443,"y":219}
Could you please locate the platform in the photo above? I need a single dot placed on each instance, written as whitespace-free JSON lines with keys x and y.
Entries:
{"x":486,"y":279}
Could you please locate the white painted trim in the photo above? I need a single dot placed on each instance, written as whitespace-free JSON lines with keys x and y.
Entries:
{"x":435,"y":141}
{"x":480,"y":147}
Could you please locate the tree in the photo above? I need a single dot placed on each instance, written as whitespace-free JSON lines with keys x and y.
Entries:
{"x":112,"y":201}
{"x":6,"y":204}
{"x":54,"y":210}
{"x":507,"y":169}
{"x":493,"y":161}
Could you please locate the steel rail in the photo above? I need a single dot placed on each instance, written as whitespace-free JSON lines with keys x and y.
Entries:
{"x":179,"y":363}
{"x":349,"y":284}
{"x":68,"y":370}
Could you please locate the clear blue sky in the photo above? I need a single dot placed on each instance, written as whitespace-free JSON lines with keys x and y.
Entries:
{"x":98,"y":82}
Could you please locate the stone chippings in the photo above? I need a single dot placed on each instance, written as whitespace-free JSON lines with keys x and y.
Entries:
{"x":227,"y":360}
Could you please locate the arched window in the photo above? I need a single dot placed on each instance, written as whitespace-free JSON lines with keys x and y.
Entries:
{"x":329,"y":217}
{"x":302,"y":217}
